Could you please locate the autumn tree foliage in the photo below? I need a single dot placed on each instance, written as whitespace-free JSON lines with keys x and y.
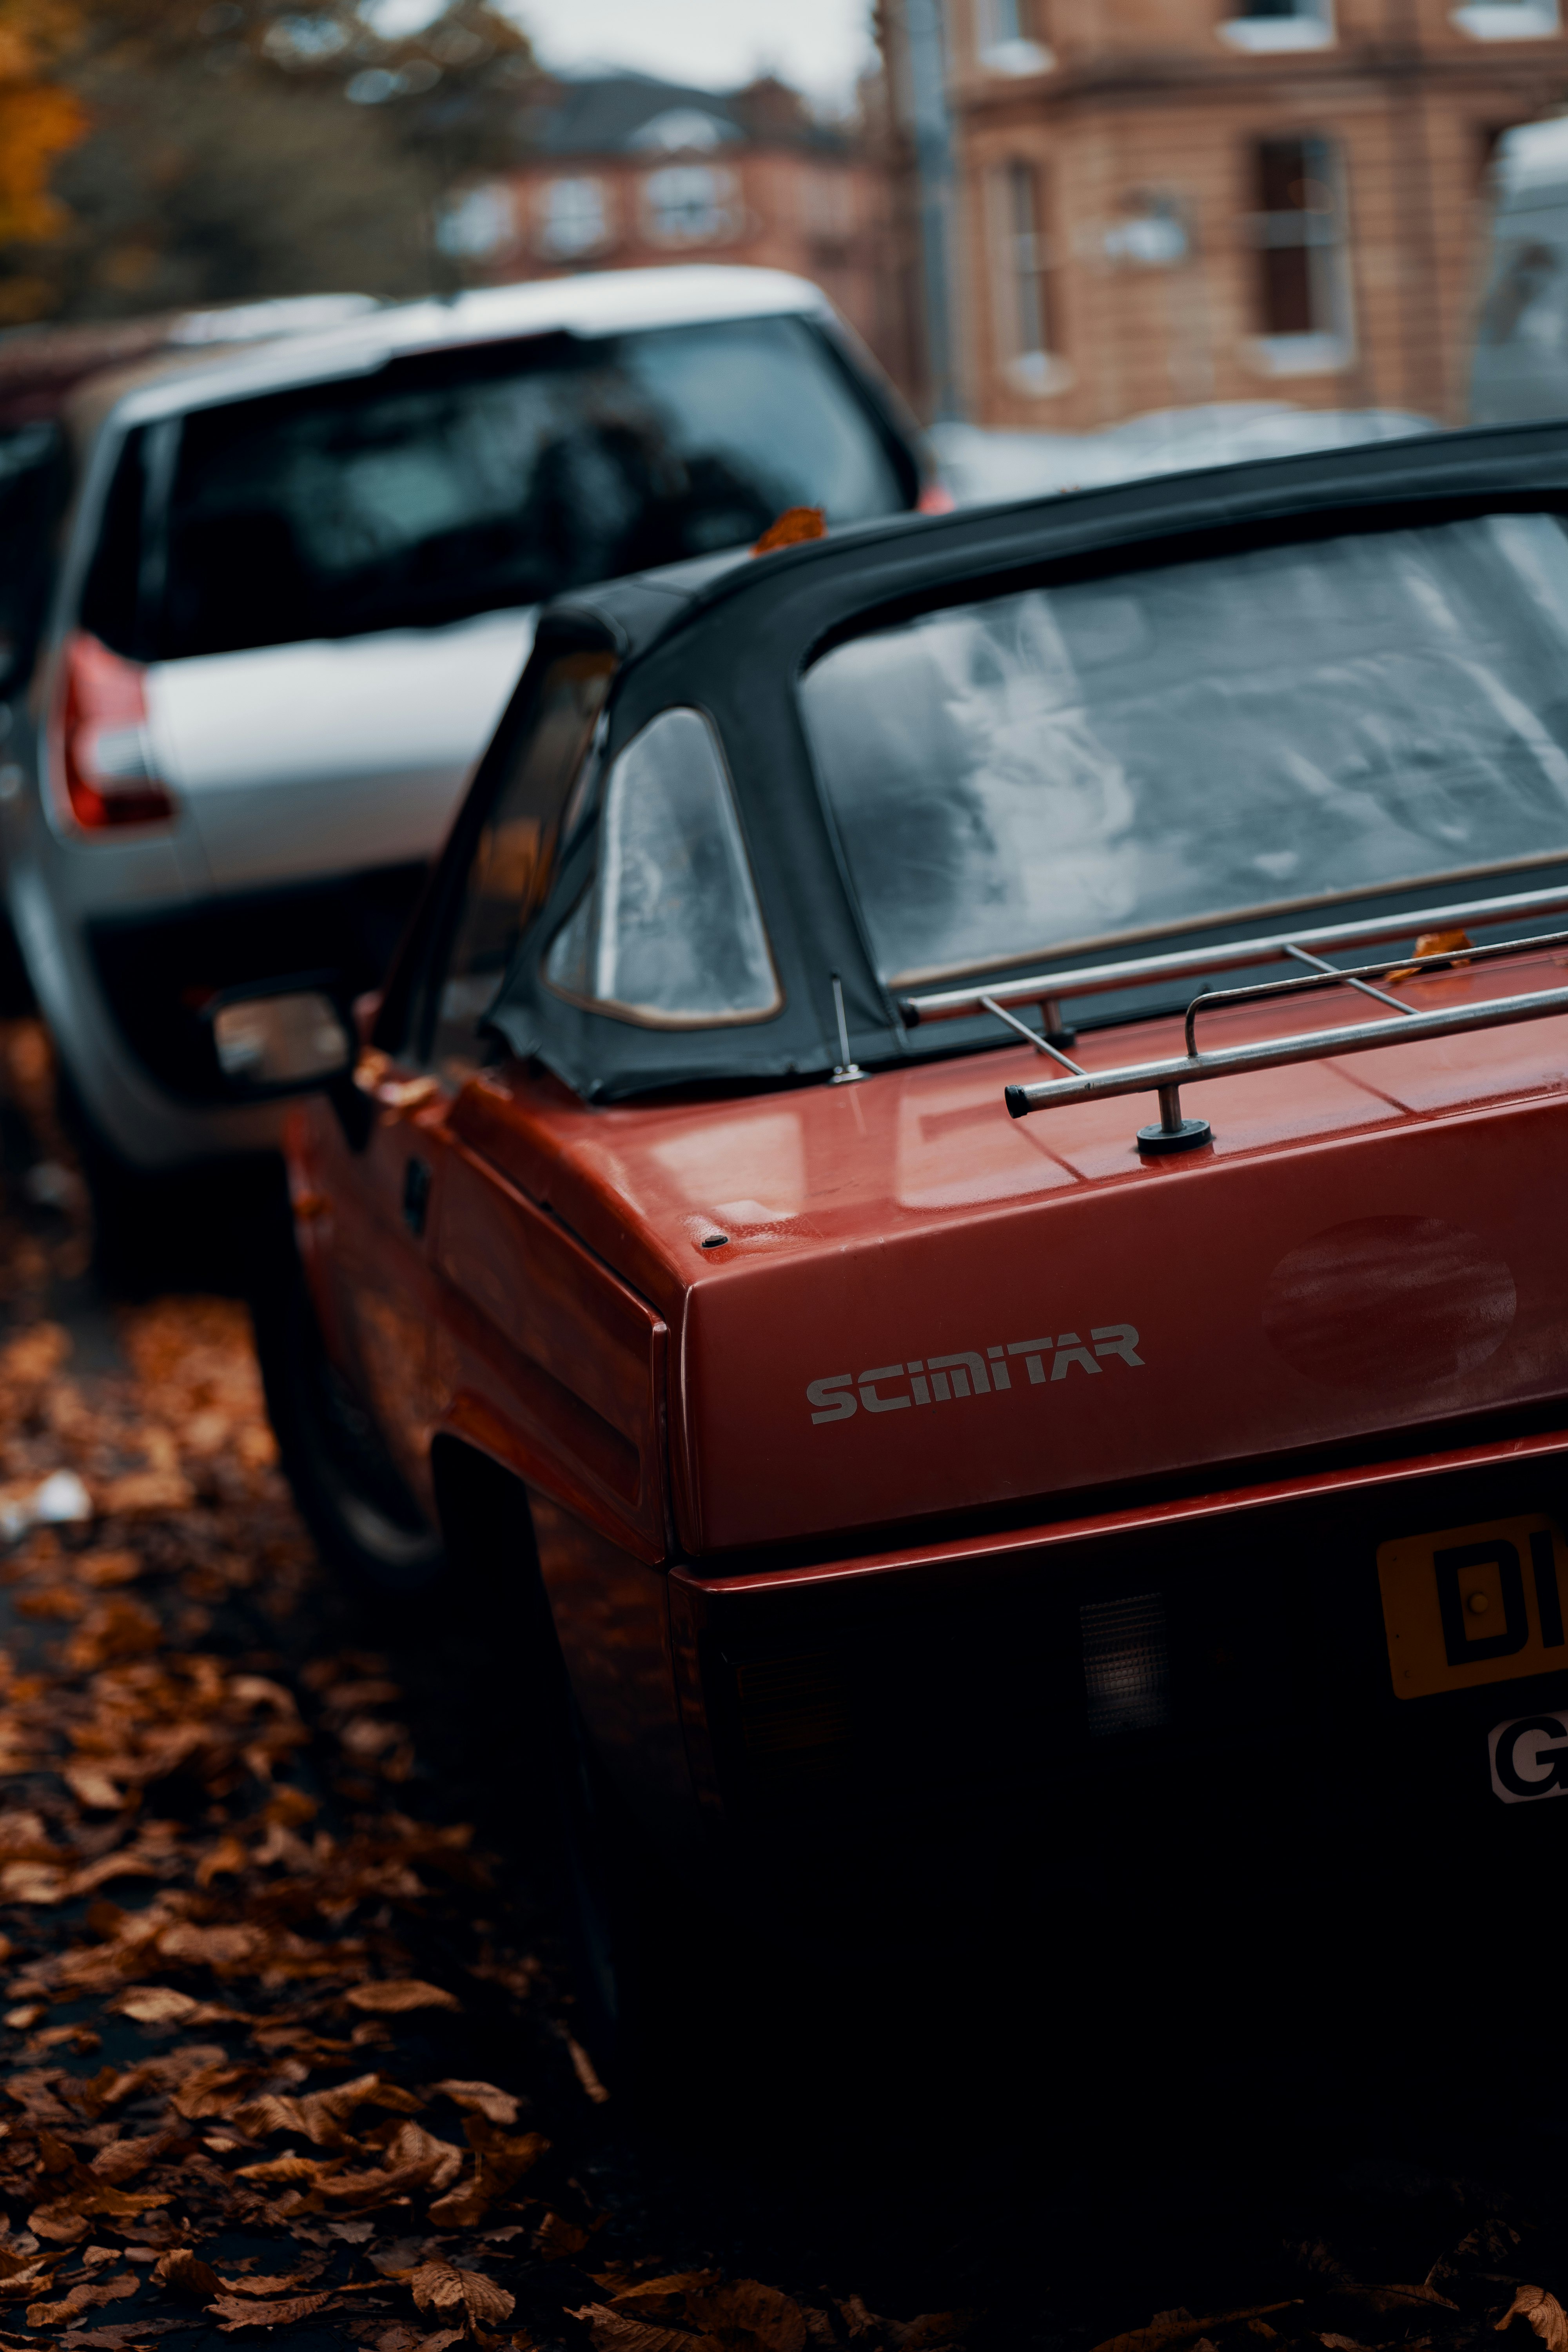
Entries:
{"x":171,"y":153}
{"x":40,"y":118}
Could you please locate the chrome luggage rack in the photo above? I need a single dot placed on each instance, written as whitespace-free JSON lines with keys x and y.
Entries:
{"x":1172,"y":1132}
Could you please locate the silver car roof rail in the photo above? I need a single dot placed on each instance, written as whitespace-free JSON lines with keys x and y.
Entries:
{"x":1173,"y":1133}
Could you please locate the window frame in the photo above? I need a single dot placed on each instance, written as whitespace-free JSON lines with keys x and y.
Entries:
{"x":1008,"y":37}
{"x":1308,"y":24}
{"x":1023,"y":263}
{"x":1323,"y":349}
{"x":1508,"y":20}
{"x":547,"y":242}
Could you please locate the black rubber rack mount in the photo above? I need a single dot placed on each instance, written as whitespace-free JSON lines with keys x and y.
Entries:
{"x":1398,"y":1023}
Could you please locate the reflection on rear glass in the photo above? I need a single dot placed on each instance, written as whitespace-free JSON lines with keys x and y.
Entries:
{"x":1118,"y":754}
{"x":494,"y":476}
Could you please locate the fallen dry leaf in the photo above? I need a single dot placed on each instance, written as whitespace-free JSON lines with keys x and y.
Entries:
{"x":286,"y":2282}
{"x":187,"y":2273}
{"x":443,"y":2289}
{"x":323,"y":2116}
{"x":101,"y":1570}
{"x":233,"y":2312}
{"x":772,"y":2319}
{"x":480,"y":2099}
{"x":228,"y":1857}
{"x":92,"y":1785}
{"x":143,"y":1492}
{"x":118,"y":1628}
{"x":658,"y":2298}
{"x":1173,"y":2327}
{"x":29,"y":2274}
{"x":556,"y":2240}
{"x":86,"y":2297}
{"x":1542,"y":2312}
{"x":615,"y":2331}
{"x":584,"y":2068}
{"x":392,"y":1996}
{"x":34,"y":1882}
{"x":290,"y":2168}
{"x":61,"y":2225}
{"x":60,"y":1602}
{"x":1434,"y":943}
{"x":499,"y":2163}
{"x":122,"y":2160}
{"x":155,"y":2005}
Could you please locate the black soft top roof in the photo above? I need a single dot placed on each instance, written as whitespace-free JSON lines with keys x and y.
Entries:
{"x":644,"y":609}
{"x":730,"y":636}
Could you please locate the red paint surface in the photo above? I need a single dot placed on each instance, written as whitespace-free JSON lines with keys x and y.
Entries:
{"x":1370,"y":1248}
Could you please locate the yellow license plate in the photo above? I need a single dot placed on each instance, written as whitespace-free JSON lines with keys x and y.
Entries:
{"x":1471,"y":1605}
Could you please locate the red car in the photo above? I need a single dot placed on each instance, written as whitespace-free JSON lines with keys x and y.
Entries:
{"x":961,"y":1173}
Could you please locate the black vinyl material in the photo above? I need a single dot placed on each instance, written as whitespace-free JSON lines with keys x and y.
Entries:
{"x":731,"y":635}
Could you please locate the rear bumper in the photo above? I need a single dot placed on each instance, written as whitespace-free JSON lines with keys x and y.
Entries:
{"x":1189,"y":1703}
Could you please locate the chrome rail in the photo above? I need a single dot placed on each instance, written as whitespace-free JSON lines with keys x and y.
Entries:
{"x":1233,"y":955}
{"x":1165,"y":1079}
{"x":1329,"y":975}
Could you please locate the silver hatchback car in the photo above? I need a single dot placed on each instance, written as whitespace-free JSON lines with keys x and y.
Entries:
{"x":264,"y":608}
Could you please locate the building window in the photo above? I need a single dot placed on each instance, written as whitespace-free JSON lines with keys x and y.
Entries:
{"x":1272,"y":25}
{"x":1508,"y":20}
{"x":827,"y":205}
{"x":572,"y":219}
{"x":475,"y":225}
{"x":683,"y":130}
{"x":690,"y":203}
{"x":1007,"y":37}
{"x":1024,"y":325}
{"x":1303,"y":296}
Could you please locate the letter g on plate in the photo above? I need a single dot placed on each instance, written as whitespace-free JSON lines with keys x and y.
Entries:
{"x":1529,"y":1759}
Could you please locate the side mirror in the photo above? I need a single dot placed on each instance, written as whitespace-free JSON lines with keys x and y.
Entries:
{"x":288,"y":1037}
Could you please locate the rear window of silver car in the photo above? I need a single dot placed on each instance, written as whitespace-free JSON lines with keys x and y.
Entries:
{"x":1116,"y":756}
{"x":486,"y":477}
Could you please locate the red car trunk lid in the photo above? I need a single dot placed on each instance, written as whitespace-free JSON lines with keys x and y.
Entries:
{"x":924,"y":1309}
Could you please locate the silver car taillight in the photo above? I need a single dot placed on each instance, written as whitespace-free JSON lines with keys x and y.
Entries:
{"x":100,"y":743}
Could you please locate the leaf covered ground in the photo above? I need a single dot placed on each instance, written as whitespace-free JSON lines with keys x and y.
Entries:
{"x":288,"y":2050}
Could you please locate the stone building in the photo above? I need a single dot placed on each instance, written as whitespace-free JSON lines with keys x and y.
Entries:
{"x":1156,"y":202}
{"x":622,"y":171}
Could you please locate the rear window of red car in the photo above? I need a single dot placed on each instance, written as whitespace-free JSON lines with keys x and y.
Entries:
{"x":1273,"y":728}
